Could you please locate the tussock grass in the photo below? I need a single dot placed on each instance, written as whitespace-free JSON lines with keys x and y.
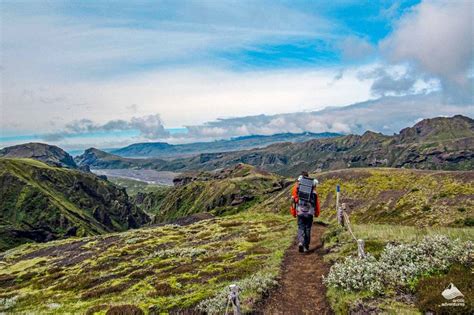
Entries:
{"x":404,"y":234}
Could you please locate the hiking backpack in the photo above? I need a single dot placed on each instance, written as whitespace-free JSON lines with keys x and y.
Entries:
{"x":305,"y":189}
{"x":306,"y":196}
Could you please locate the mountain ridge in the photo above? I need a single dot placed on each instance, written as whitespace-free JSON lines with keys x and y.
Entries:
{"x":50,"y":154}
{"x":370,"y":149}
{"x":444,"y":143}
{"x":166,"y":150}
{"x":40,"y":202}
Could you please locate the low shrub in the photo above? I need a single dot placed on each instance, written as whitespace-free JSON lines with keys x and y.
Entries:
{"x":7,"y":303}
{"x":399,"y":266}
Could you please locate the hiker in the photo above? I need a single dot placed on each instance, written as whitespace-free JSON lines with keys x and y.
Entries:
{"x":304,"y":205}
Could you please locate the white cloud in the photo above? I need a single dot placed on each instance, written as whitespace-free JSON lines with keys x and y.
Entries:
{"x":436,"y":37}
{"x":150,"y":127}
{"x":181,"y":96}
{"x":42,"y":41}
{"x":356,"y":48}
{"x":387,"y":115}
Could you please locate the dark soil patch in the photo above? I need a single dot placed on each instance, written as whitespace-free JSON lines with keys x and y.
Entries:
{"x":98,"y":292}
{"x":362,"y":308}
{"x":163,"y":289}
{"x":105,"y":243}
{"x":72,"y":249}
{"x":301,"y":289}
{"x":231,"y":224}
{"x":193,"y":218}
{"x":183,"y":268}
{"x":125,"y":310}
{"x":141,"y":274}
{"x":73,"y":259}
{"x":353,"y":204}
{"x":7,"y":281}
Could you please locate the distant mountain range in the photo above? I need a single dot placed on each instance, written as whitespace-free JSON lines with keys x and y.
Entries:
{"x":438,"y":143}
{"x":168,"y":151}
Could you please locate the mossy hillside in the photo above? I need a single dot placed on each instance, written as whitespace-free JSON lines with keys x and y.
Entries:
{"x":392,"y":196}
{"x":167,"y":268}
{"x":226,"y":192}
{"x":41,"y":202}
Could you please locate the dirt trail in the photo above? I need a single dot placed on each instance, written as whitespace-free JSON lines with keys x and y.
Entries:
{"x":301,"y":290}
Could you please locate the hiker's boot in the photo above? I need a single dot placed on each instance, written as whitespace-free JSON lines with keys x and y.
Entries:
{"x":300,"y":247}
{"x":305,"y":249}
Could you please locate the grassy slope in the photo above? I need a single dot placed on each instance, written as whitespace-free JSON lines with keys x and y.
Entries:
{"x":168,"y":267}
{"x":36,"y":196}
{"x":390,"y":206}
{"x":242,"y":188}
{"x":393,"y":196}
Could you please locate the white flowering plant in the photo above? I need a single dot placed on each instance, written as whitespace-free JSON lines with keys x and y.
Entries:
{"x":399,"y":265}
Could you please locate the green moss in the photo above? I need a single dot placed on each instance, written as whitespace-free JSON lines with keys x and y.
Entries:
{"x":341,"y":301}
{"x":127,"y":268}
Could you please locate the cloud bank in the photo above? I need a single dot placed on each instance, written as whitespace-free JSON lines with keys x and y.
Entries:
{"x":149,"y":127}
{"x":387,"y":115}
{"x":436,"y":38}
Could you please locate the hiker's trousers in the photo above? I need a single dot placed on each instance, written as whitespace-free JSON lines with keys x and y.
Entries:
{"x":304,"y":229}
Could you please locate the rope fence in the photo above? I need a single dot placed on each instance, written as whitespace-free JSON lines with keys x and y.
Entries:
{"x":343,"y":219}
{"x":233,"y":299}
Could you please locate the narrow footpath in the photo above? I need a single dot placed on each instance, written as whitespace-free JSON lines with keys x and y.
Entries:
{"x":301,"y":289}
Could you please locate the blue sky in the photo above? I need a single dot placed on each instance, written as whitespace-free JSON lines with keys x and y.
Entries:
{"x":83,"y":73}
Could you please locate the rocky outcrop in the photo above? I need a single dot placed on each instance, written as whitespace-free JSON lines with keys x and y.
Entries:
{"x":49,"y":154}
{"x":98,"y":159}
